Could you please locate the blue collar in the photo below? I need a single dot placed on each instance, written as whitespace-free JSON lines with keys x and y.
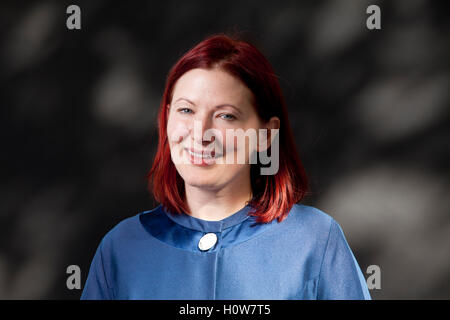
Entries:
{"x":206,"y":225}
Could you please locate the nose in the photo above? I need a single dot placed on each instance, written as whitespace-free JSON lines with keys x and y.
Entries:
{"x":201,"y":124}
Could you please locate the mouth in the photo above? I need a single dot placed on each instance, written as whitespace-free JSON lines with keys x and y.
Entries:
{"x":202,"y":158}
{"x":204,"y":154}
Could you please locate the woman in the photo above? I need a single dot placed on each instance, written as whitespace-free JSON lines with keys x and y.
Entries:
{"x":227,"y":226}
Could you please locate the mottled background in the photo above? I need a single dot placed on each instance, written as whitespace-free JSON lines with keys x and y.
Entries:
{"x":370,"y":111}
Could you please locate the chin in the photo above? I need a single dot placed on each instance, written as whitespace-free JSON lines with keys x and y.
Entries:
{"x":201,"y":183}
{"x":200,"y":180}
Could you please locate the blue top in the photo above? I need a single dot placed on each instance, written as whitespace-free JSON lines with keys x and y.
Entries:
{"x":155,"y":255}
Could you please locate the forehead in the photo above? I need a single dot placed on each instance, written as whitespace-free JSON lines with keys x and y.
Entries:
{"x":211,"y":85}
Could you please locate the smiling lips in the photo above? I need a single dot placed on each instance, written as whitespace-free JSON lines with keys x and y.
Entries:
{"x":204,"y":154}
{"x":201,"y":158}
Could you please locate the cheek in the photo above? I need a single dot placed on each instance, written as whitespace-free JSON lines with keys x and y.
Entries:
{"x":239,"y":142}
{"x":229,"y":143}
{"x":177,"y":130}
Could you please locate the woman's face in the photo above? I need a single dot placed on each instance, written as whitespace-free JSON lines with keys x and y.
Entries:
{"x":211,"y":100}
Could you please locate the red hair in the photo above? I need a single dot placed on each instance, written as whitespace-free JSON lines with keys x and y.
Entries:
{"x":273,"y":195}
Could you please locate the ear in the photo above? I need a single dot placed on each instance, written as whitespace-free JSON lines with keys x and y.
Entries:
{"x":273,"y":123}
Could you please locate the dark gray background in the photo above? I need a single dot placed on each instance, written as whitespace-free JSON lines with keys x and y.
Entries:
{"x":370,"y":111}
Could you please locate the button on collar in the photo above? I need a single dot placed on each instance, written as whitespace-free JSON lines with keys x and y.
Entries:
{"x":207,"y":241}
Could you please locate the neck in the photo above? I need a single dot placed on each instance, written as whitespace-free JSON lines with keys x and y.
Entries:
{"x":217,"y":204}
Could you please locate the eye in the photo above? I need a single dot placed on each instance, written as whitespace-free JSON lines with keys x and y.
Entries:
{"x":230,"y":116}
{"x":183,"y":109}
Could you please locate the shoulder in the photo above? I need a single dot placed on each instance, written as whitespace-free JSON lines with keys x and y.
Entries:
{"x":310,"y":217}
{"x":310,"y":226}
{"x":127,"y":230}
{"x":317,"y":226}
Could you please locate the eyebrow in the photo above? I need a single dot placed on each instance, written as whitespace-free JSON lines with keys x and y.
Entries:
{"x":217,"y":107}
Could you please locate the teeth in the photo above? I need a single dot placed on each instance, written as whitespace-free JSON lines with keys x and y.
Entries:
{"x":199,"y":155}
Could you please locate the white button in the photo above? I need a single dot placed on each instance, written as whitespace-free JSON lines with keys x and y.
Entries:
{"x":207,"y":241}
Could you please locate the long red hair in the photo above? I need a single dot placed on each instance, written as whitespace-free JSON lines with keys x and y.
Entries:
{"x":273,"y":195}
